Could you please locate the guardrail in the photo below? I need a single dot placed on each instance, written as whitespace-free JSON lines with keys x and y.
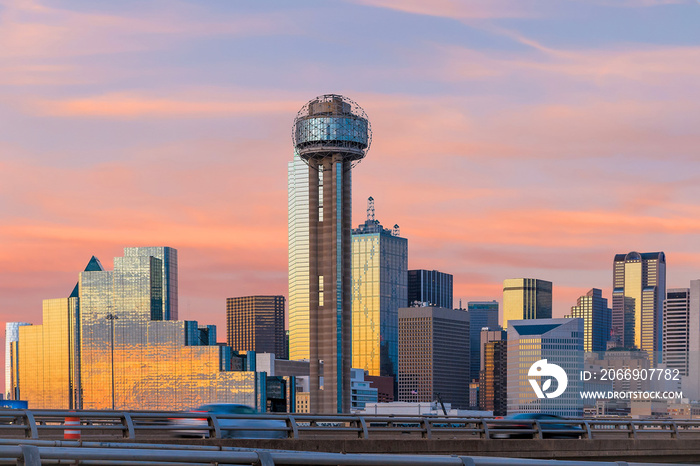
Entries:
{"x":27,"y":454}
{"x":44,"y":424}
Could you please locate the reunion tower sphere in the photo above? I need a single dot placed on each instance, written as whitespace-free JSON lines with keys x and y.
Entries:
{"x":332,"y":124}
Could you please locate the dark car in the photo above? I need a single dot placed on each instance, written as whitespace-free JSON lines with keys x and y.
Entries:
{"x":248,"y":427}
{"x":508,"y":426}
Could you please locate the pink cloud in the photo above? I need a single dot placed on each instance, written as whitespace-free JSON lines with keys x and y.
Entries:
{"x":129,"y":105}
{"x":479,"y":9}
{"x":31,"y":28}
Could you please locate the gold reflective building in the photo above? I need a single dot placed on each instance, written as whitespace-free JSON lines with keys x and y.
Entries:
{"x":639,"y":290}
{"x":379,"y":289}
{"x":493,"y":378}
{"x":48,"y":374}
{"x":526,"y":298}
{"x":108,"y":346}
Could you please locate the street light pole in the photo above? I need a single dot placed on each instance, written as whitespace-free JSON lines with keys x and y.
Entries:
{"x":111,"y":317}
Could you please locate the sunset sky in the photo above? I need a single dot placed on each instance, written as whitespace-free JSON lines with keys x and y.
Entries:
{"x":512,"y":138}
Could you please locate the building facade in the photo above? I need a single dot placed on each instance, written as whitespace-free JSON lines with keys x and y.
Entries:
{"x":256,"y":323}
{"x":11,"y":336}
{"x":596,"y":315}
{"x":434,"y":355}
{"x":362,"y":391}
{"x":298,"y":238}
{"x":482,"y":315}
{"x":379,"y":279}
{"x":691,"y":383}
{"x":537,"y":346}
{"x":639,"y":290}
{"x":384,"y":386}
{"x":676,"y":330}
{"x":110,"y":347}
{"x":169,"y":273}
{"x":431,"y":287}
{"x":493,"y":380}
{"x":526,"y":298}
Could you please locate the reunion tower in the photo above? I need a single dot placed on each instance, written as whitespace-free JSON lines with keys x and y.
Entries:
{"x":331,"y":134}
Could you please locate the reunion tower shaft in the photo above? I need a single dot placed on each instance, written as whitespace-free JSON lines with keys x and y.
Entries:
{"x":331,"y":134}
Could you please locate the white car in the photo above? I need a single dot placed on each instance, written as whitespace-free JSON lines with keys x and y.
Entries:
{"x":232,"y":428}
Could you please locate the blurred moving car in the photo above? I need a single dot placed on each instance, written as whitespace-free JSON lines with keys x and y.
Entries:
{"x":231,"y":428}
{"x":526,"y":422}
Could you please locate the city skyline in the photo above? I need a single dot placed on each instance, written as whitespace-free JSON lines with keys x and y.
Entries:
{"x":503,"y":148}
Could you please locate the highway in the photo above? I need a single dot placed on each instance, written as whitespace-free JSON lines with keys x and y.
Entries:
{"x":601,"y":440}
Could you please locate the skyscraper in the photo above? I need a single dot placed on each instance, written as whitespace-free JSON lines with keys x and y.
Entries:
{"x":379,"y":274}
{"x":526,"y":298}
{"x":11,"y":336}
{"x":256,"y":323}
{"x":482,"y":315}
{"x":433,"y":356}
{"x":691,"y":383}
{"x":639,"y":290}
{"x":594,"y":311}
{"x":49,"y":356}
{"x":298,"y":231}
{"x":331,"y":134}
{"x":493,"y":380}
{"x":431,"y":287}
{"x":676,"y":329}
{"x":560,"y":343}
{"x":110,"y":347}
{"x":169,"y":271}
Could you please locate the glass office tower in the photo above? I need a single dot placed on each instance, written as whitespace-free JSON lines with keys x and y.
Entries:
{"x":493,"y":376}
{"x":526,"y":298}
{"x":49,"y":376}
{"x":298,"y":237}
{"x":560,"y":342}
{"x":110,"y":347}
{"x":482,"y":315}
{"x":168,"y":258}
{"x":431,"y":287}
{"x":379,"y":289}
{"x":596,"y":315}
{"x":11,"y":336}
{"x":639,"y":290}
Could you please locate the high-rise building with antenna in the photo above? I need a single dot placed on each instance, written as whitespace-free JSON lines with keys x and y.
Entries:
{"x":379,"y":289}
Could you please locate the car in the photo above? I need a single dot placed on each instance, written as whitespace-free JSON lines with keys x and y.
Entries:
{"x":239,"y":427}
{"x":526,"y":422}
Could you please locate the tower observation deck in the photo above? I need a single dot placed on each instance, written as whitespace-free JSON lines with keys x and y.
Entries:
{"x":331,"y":134}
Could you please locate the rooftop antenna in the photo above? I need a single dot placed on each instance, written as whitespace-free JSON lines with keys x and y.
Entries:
{"x":396,"y":231}
{"x":370,"y":209}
